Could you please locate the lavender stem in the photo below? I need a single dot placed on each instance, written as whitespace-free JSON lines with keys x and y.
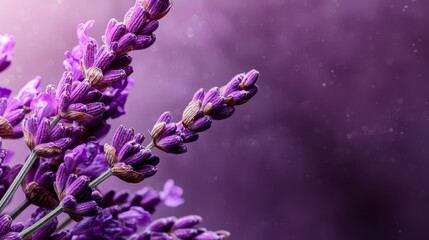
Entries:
{"x":15,"y":213}
{"x":66,"y":221}
{"x":36,"y":226}
{"x":150,"y":145}
{"x":17,"y":181}
{"x":101,"y":178}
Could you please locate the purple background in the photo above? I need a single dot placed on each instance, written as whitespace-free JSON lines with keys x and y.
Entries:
{"x":335,"y":144}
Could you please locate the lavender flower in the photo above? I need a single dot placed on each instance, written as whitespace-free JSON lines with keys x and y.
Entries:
{"x":113,"y":223}
{"x":147,"y":197}
{"x":7,"y":173}
{"x":129,"y":160}
{"x":123,"y":212}
{"x":171,"y":228}
{"x":9,"y":230}
{"x":86,"y":159}
{"x":72,"y":63}
{"x":13,"y":111}
{"x":38,"y":185}
{"x":75,"y":195}
{"x":171,"y":195}
{"x":216,"y":104}
{"x":43,"y":140}
{"x":46,"y":230}
{"x":156,"y":8}
{"x":83,"y":160}
{"x":7,"y":42}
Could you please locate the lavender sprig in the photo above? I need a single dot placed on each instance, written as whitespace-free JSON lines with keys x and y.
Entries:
{"x":146,"y":198}
{"x":216,"y":104}
{"x":184,"y":228}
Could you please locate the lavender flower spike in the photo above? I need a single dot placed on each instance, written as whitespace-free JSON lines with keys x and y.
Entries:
{"x":147,"y":198}
{"x":129,"y":160}
{"x":7,"y":42}
{"x":76,"y":197}
{"x":171,"y":228}
{"x":114,"y":222}
{"x":216,"y":104}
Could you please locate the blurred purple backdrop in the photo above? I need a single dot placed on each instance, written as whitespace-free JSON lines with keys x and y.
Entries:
{"x":334,"y":146}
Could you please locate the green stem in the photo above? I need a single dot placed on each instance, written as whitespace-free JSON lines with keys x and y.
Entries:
{"x":17,"y":181}
{"x":36,"y":226}
{"x":64,"y":223}
{"x":101,"y":178}
{"x":15,"y":213}
{"x":150,"y":145}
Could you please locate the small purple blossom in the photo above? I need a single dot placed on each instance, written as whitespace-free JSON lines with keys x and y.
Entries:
{"x":86,"y":159}
{"x":73,"y":59}
{"x":7,"y":43}
{"x":29,"y":92}
{"x":13,"y":110}
{"x":171,"y":195}
{"x":147,"y":198}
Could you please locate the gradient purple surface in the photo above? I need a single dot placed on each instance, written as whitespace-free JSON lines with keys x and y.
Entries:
{"x":335,"y":144}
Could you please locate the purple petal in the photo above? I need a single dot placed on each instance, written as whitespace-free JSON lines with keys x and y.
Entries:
{"x":171,"y":195}
{"x":29,"y":91}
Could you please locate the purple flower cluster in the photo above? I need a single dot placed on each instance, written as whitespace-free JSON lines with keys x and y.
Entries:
{"x":184,"y":228}
{"x":128,"y":159}
{"x":122,"y":215}
{"x":216,"y":104}
{"x":147,"y":198}
{"x":13,"y":110}
{"x":63,"y":127}
{"x":77,"y":198}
